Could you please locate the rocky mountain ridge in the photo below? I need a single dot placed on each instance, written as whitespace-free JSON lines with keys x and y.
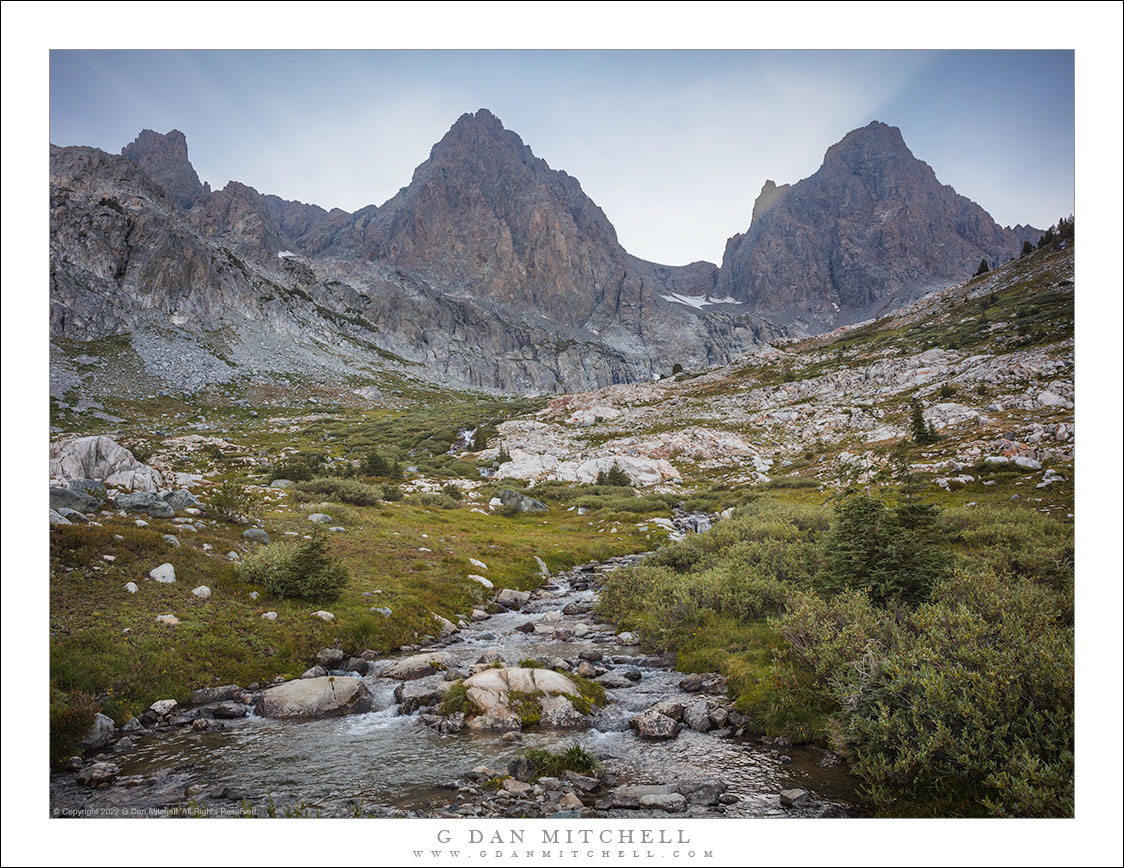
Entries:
{"x":489,"y":270}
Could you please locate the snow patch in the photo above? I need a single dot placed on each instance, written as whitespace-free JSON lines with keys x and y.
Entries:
{"x":698,"y":301}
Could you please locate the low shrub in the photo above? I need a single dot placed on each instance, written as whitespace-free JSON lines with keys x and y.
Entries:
{"x":376,"y":465}
{"x":456,"y":700}
{"x":628,"y":503}
{"x":891,"y":554}
{"x":343,"y":490}
{"x":615,"y":475}
{"x":362,"y":633}
{"x":702,"y":502}
{"x":526,"y":705}
{"x":299,"y":467}
{"x":590,"y":693}
{"x":302,"y":572}
{"x":933,"y":650}
{"x":432,"y":500}
{"x":234,"y":502}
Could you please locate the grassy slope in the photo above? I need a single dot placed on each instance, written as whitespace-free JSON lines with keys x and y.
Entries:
{"x":109,"y":654}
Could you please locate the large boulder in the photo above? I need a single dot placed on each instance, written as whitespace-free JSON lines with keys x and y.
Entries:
{"x":533,"y":464}
{"x":702,"y":792}
{"x":521,"y":680}
{"x":629,"y":796}
{"x":615,"y":681}
{"x":417,"y":666}
{"x":446,"y":626}
{"x":654,"y":725}
{"x":89,"y":486}
{"x":420,"y":693}
{"x":522,"y":502}
{"x":703,"y":682}
{"x":316,"y":697}
{"x":330,"y":658}
{"x":101,"y":458}
{"x":210,"y":695}
{"x":490,"y":691}
{"x":673,"y":803}
{"x":696,"y":714}
{"x":230,"y":710}
{"x":558,"y":712}
{"x":66,"y":498}
{"x":147,"y":502}
{"x":505,"y":721}
{"x":98,"y":774}
{"x":182,"y":499}
{"x":100,"y":733}
{"x":165,"y":574}
{"x":512,"y":598}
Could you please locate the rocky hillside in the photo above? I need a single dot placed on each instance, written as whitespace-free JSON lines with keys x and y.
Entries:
{"x":868,"y":232}
{"x":989,"y":362}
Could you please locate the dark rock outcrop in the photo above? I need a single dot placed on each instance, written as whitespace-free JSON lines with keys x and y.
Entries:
{"x":521,"y":502}
{"x":164,"y":159}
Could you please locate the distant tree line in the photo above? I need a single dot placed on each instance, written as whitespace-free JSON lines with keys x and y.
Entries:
{"x":1060,"y":231}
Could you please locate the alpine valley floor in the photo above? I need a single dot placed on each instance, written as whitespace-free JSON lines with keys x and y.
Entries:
{"x":832,"y":578}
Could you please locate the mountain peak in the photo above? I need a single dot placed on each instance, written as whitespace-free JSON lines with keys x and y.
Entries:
{"x":871,"y":229}
{"x":483,"y":118}
{"x":475,"y":132}
{"x":163,"y":157}
{"x":875,"y":143}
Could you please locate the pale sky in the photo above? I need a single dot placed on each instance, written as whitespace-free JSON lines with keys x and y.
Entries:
{"x":673,"y":145}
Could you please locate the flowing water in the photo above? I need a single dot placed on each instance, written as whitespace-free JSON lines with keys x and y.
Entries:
{"x":384,"y":758}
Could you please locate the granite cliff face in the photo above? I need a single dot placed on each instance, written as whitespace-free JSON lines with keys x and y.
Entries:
{"x":264,"y":224}
{"x":868,"y":232}
{"x":121,"y":251}
{"x":484,"y":216}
